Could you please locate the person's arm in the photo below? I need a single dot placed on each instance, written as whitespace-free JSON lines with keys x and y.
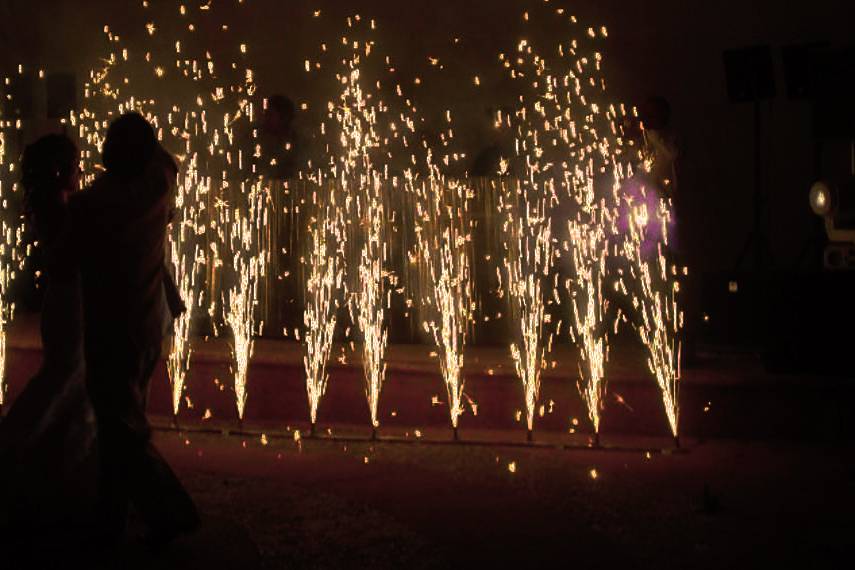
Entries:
{"x":173,"y":295}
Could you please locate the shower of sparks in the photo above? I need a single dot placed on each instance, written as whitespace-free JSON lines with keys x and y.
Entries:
{"x":374,"y":133}
{"x":183,"y":236}
{"x":323,"y":284}
{"x":589,"y":258}
{"x":371,"y":301}
{"x":569,"y":137}
{"x":12,"y":253}
{"x":243,"y":230}
{"x":198,"y":115}
{"x":444,"y":234}
{"x":527,"y":207}
{"x":443,"y":254}
{"x":5,"y":273}
{"x":528,"y":263}
{"x":383,"y":176}
{"x":654,"y":289}
{"x":363,"y":187}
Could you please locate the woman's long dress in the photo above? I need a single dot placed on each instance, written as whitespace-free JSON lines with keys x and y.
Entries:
{"x":47,"y":441}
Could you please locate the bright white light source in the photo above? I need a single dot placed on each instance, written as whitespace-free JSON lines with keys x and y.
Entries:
{"x":820,"y":199}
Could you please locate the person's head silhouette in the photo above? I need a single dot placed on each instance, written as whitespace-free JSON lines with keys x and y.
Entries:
{"x":130,"y":145}
{"x":50,"y":172}
{"x":279,"y":113}
{"x":656,"y":113}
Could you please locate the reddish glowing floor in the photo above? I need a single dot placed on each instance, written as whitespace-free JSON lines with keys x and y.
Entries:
{"x":766,"y":473}
{"x":720,"y":505}
{"x":727,"y":395}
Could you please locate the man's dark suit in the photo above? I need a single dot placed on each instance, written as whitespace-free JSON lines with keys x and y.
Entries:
{"x":119,"y":229}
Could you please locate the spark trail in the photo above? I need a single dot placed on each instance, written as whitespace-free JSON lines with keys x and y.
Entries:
{"x":528,"y":263}
{"x":363,"y":187}
{"x":12,"y":252}
{"x":527,"y":208}
{"x":444,"y":234}
{"x":323,"y":283}
{"x":244,"y":232}
{"x":654,"y":289}
{"x":371,"y":299}
{"x":569,"y":135}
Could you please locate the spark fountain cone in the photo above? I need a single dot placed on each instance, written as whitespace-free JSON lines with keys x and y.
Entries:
{"x":444,"y":234}
{"x":654,"y":287}
{"x":13,"y":251}
{"x":573,"y":155}
{"x":322,"y":292}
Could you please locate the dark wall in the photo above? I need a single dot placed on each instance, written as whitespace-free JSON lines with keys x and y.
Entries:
{"x":666,"y":47}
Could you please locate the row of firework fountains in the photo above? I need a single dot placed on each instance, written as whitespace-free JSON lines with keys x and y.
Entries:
{"x":566,"y":203}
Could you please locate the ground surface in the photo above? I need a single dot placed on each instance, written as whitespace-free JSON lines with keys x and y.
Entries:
{"x":766,"y":473}
{"x":721,"y":504}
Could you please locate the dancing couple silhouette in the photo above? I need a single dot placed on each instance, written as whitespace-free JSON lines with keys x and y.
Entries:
{"x":75,"y":448}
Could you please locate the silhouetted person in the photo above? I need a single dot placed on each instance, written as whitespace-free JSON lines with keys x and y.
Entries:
{"x":662,"y":152}
{"x":47,"y":440}
{"x":496,"y":145}
{"x":281,"y":145}
{"x":660,"y":143}
{"x":119,"y":229}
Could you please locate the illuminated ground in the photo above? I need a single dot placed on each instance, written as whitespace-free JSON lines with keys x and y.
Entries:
{"x":767,"y":476}
{"x":728,"y":395}
{"x":325,"y":505}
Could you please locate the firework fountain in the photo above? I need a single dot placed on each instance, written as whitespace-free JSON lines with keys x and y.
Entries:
{"x":444,"y":232}
{"x":443,"y":253}
{"x":11,"y":255}
{"x":589,"y":252}
{"x":571,"y":164}
{"x":527,"y":207}
{"x":186,"y":272}
{"x":571,"y":140}
{"x":323,"y":283}
{"x":220,"y":201}
{"x":528,"y":263}
{"x":654,"y":289}
{"x":356,"y":118}
{"x":371,"y":300}
{"x":243,"y":230}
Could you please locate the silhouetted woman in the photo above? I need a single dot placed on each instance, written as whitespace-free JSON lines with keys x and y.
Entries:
{"x":48,"y":477}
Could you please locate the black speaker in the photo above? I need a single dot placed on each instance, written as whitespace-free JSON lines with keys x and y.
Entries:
{"x":750,"y":74}
{"x":61,"y":94}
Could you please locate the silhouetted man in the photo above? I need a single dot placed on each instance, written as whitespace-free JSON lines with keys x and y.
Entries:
{"x":279,"y":140}
{"x":659,"y":144}
{"x":496,"y":142}
{"x":120,"y":231}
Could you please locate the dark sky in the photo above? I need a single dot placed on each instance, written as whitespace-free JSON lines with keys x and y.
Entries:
{"x":666,"y":47}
